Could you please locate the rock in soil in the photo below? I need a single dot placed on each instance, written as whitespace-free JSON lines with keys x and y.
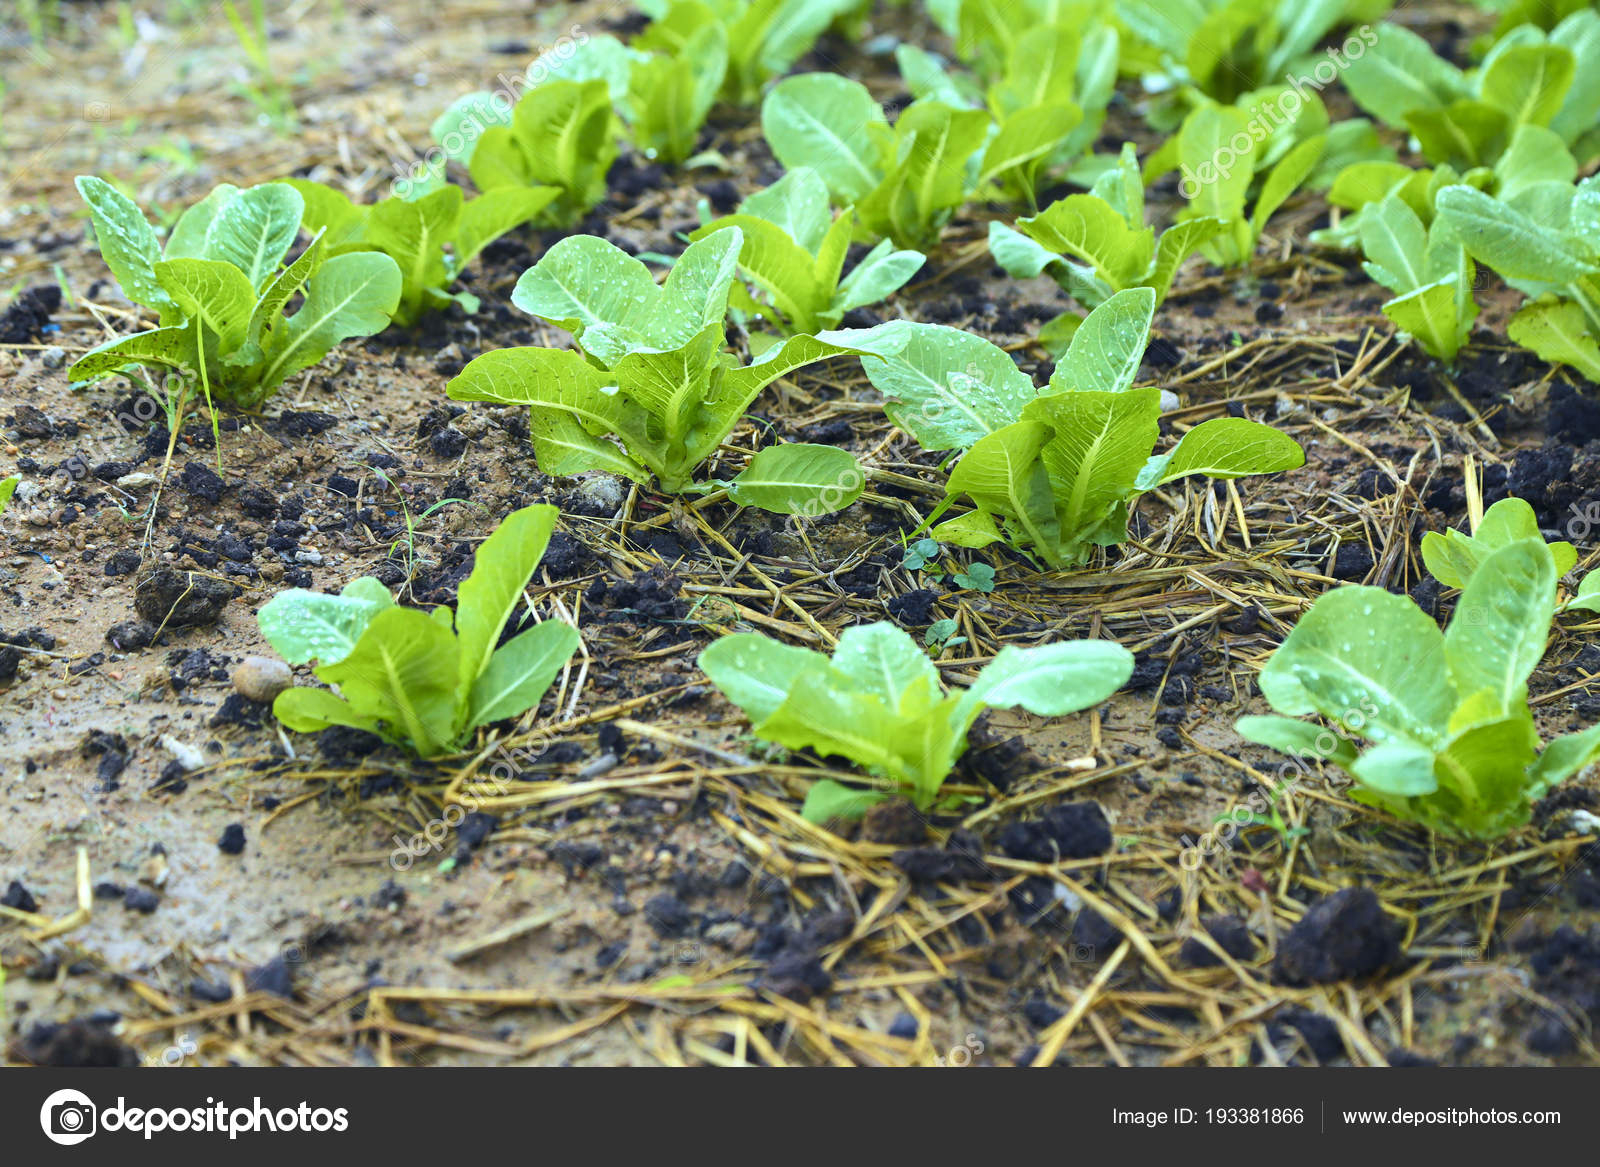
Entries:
{"x":896,"y":821}
{"x":276,"y":976}
{"x":1073,"y":830}
{"x":29,"y":313}
{"x":668,"y":915}
{"x":961,"y":858}
{"x":138,"y":899}
{"x":1232,"y":936}
{"x":72,"y":1044}
{"x":181,"y":599}
{"x":797,"y":975}
{"x":260,"y":678}
{"x":1342,"y":937}
{"x":19,"y":898}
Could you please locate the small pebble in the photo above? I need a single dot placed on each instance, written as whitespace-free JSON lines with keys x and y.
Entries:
{"x":603,"y":492}
{"x":232,"y":841}
{"x":261,"y":678}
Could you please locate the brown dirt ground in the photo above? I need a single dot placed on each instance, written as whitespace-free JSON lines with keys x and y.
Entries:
{"x":667,"y":905}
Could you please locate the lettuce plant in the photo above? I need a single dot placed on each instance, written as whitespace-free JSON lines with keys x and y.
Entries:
{"x":905,"y":183}
{"x":424,"y":680}
{"x":431,"y":238}
{"x":1052,"y":473}
{"x":794,"y":252}
{"x":1418,"y":255}
{"x":561,"y":133}
{"x":1219,"y":181}
{"x":1453,"y":557}
{"x":662,"y":86}
{"x":1537,"y":168}
{"x":1587,"y":596}
{"x":8,"y":487}
{"x":764,"y":37}
{"x":1096,"y":244}
{"x":879,"y":702}
{"x":1547,"y":248}
{"x":1545,"y":14}
{"x":1467,"y":118}
{"x":1454,"y":745}
{"x":679,"y":64}
{"x":986,"y":33}
{"x":1279,"y":118}
{"x":220,"y":287}
{"x":1047,"y":99}
{"x":651,"y":372}
{"x":1224,"y":48}
{"x":1429,"y":272}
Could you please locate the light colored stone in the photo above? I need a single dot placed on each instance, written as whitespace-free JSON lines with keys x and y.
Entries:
{"x":261,"y":678}
{"x":186,"y":755}
{"x":605,"y":492}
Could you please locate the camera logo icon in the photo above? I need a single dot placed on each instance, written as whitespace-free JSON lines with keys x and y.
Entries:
{"x":68,"y":1117}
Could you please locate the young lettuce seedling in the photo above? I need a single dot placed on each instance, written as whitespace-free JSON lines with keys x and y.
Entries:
{"x":1277,"y":119}
{"x":879,"y":702}
{"x":1416,"y":253}
{"x":905,"y":183}
{"x":1047,"y":99}
{"x":680,"y":63}
{"x":1549,"y":249}
{"x":431,"y":238}
{"x":1468,"y":118}
{"x":221,"y":287}
{"x":1587,"y":597}
{"x":1429,"y":272}
{"x":1453,"y":557}
{"x":1545,"y":14}
{"x":989,"y":36}
{"x":794,"y":252}
{"x":1224,"y":48}
{"x":1051,"y":473}
{"x":1454,"y":745}
{"x":1536,"y":169}
{"x":8,"y":487}
{"x":653,"y":374}
{"x":1219,"y":179}
{"x":1095,"y":245}
{"x":764,"y":37}
{"x":561,"y":133}
{"x":424,"y":680}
